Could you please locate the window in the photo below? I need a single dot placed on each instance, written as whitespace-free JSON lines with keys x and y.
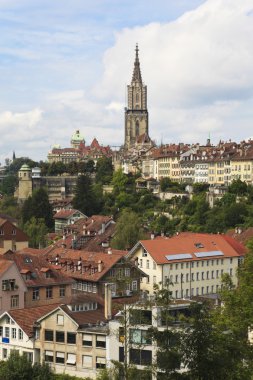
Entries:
{"x":197,"y":276}
{"x":231,"y":272}
{"x":60,"y":336}
{"x":60,"y":357}
{"x":29,"y":356}
{"x":202,"y":290}
{"x":71,"y":338}
{"x":49,"y":335}
{"x":36,"y":294}
{"x":138,"y":336}
{"x":154,"y":279}
{"x":187,"y":277}
{"x":147,"y":279}
{"x":154,"y":265}
{"x":141,"y":357}
{"x":100,"y":362}
{"x":217,"y":273}
{"x":121,"y":354}
{"x":60,"y":319}
{"x":127,"y":272}
{"x":202,"y":275}
{"x":7,"y":332}
{"x":14,"y":301}
{"x":134,"y":286}
{"x":49,"y":292}
{"x":192,"y":276}
{"x":100,"y":341}
{"x":87,"y":361}
{"x":139,"y":316}
{"x":1,"y":330}
{"x":14,"y":333}
{"x":62,"y":290}
{"x":71,"y":359}
{"x":207,"y":275}
{"x":20,"y":334}
{"x":13,"y":232}
{"x":176,"y":266}
{"x":140,"y":263}
{"x":87,"y":340}
{"x":147,"y":264}
{"x":49,"y":356}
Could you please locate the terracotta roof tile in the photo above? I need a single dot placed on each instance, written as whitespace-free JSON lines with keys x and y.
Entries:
{"x":185,"y":243}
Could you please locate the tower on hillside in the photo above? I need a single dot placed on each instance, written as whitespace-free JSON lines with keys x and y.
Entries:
{"x":136,"y":113}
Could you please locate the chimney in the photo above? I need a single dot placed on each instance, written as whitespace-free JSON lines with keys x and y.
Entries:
{"x":109,"y":251}
{"x":100,"y":266}
{"x":108,"y":301}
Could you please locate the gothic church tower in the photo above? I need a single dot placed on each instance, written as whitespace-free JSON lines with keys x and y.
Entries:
{"x":136,"y":113}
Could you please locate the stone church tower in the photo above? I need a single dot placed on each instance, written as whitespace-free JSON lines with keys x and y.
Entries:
{"x":136,"y":113}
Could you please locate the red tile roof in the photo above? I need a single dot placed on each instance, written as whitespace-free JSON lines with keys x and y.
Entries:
{"x":185,"y":243}
{"x":26,"y":318}
{"x":34,"y":264}
{"x":65,"y":214}
{"x":89,"y":261}
{"x":4,"y":265}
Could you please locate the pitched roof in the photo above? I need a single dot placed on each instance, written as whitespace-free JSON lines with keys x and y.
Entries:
{"x":188,"y":242}
{"x":4,"y":265}
{"x":36,"y":264}
{"x":26,"y":318}
{"x":65,"y":214}
{"x":68,"y":260}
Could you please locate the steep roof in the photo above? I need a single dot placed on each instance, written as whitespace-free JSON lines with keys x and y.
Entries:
{"x":65,"y":214}
{"x":36,"y":264}
{"x":4,"y":265}
{"x":191,"y":243}
{"x":26,"y":318}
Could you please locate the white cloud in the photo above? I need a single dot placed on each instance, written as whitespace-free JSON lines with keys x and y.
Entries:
{"x":192,"y":66}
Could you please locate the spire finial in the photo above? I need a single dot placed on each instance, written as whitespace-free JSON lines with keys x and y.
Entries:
{"x":137,"y":71}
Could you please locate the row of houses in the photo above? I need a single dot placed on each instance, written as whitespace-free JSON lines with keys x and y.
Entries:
{"x":64,"y":306}
{"x":216,"y":165}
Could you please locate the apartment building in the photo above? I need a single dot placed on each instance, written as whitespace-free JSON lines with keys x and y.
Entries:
{"x":128,"y":335}
{"x":193,"y":263}
{"x":44,"y":283}
{"x":92,"y":270}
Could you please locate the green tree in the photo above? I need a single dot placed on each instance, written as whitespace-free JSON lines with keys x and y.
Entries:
{"x":168,"y":357}
{"x":38,"y":206}
{"x":36,"y":231}
{"x":104,"y":170}
{"x":128,"y":230}
{"x":119,"y":182}
{"x":9,"y":184}
{"x":238,"y":187}
{"x":18,"y":367}
{"x":88,"y":197}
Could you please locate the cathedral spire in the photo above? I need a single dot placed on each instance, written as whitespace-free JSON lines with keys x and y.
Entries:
{"x":137,"y":70}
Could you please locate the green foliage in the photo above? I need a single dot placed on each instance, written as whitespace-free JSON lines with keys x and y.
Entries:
{"x":88,"y":197}
{"x":36,"y":231}
{"x":10,"y":206}
{"x":238,"y":187}
{"x":38,"y":206}
{"x":8,"y":184}
{"x":104,"y":170}
{"x":14,"y":167}
{"x":17,"y":367}
{"x":128,"y":230}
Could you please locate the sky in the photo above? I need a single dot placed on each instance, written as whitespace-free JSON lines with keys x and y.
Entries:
{"x":65,"y":65}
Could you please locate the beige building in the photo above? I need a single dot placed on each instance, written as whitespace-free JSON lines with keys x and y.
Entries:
{"x":72,"y":338}
{"x":193,"y":263}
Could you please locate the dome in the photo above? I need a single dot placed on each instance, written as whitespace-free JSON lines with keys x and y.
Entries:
{"x":25,"y":167}
{"x":77,"y":136}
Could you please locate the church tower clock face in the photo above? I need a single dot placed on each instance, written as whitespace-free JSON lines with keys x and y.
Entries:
{"x":136,"y":112}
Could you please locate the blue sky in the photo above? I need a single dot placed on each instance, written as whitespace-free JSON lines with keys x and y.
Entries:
{"x":65,"y":65}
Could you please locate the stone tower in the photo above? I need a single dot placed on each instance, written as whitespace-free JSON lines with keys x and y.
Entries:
{"x":24,"y":189}
{"x":136,"y":113}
